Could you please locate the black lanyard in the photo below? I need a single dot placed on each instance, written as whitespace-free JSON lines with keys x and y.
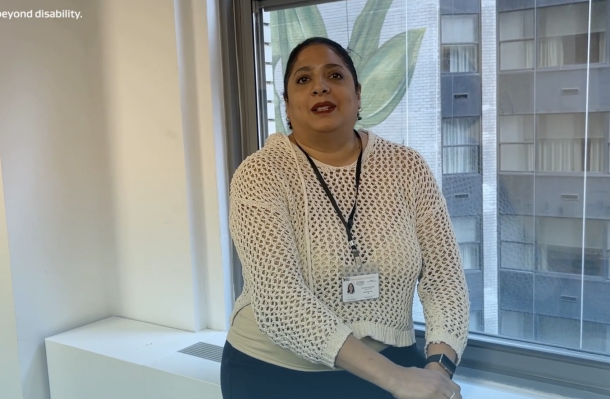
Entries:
{"x":350,"y":221}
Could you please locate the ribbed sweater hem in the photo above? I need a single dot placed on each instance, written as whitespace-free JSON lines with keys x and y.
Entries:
{"x":388,"y":335}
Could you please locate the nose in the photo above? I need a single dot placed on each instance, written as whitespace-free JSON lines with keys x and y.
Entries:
{"x":319,"y":86}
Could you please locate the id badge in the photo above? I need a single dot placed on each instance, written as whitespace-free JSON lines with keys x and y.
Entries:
{"x":360,"y":285}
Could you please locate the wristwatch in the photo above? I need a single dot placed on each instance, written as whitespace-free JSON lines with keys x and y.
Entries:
{"x":444,"y":361}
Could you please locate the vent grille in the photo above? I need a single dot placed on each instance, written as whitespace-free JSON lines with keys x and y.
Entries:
{"x":204,"y":351}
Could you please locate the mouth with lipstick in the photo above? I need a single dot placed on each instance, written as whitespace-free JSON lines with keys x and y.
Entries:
{"x":322,"y":108}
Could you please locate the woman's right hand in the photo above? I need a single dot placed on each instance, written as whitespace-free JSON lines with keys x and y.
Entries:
{"x":416,"y":383}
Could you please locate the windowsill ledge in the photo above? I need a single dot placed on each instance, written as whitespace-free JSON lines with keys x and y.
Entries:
{"x":122,"y":358}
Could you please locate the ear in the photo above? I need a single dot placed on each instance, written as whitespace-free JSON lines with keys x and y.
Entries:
{"x":358,"y":95}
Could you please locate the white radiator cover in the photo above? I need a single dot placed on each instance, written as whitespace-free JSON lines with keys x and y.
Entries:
{"x":117,"y":358}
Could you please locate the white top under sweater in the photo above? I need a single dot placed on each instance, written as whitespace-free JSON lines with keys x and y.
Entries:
{"x":293,"y":248}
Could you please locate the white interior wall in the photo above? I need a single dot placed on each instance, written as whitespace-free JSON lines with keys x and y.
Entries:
{"x":144,"y":130}
{"x":95,"y":175}
{"x":10,"y":383}
{"x":56,"y":180}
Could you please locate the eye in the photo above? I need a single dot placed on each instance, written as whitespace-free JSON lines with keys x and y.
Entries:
{"x":302,"y":79}
{"x":336,"y":75}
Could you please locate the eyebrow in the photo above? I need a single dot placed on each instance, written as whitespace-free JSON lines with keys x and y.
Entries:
{"x":327,"y":66}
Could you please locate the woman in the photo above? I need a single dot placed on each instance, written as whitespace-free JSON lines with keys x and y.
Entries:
{"x":325,"y":207}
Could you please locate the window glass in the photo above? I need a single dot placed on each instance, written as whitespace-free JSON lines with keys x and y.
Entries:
{"x":476,"y":320}
{"x":466,"y":229}
{"x":516,"y":157}
{"x":460,"y":37}
{"x":517,"y":255}
{"x":467,"y":234}
{"x":560,"y":246}
{"x":517,"y":55}
{"x":461,"y":139}
{"x":460,"y":160}
{"x":517,"y":25}
{"x":520,"y":172}
{"x":565,"y":332}
{"x":460,"y":29}
{"x":571,"y":19}
{"x":562,"y":146}
{"x":517,"y":324}
{"x":460,"y":58}
{"x":517,"y":228}
{"x":516,"y":128}
{"x":461,"y":131}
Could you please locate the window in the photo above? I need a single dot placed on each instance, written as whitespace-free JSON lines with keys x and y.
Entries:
{"x":460,"y":38}
{"x":516,"y":31}
{"x":461,"y":140}
{"x":467,"y":235}
{"x":517,"y":242}
{"x":563,"y":147}
{"x":563,"y":34}
{"x":607,"y":253}
{"x":517,"y":324}
{"x":554,"y":330}
{"x":560,"y":246}
{"x":518,"y":167}
{"x":516,"y":143}
{"x":565,"y":332}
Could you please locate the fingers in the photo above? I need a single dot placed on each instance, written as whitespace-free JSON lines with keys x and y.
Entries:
{"x":445,"y":387}
{"x":454,"y":387}
{"x":455,"y":392}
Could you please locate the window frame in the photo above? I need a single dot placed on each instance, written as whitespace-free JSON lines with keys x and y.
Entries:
{"x":521,"y":40}
{"x":539,"y":367}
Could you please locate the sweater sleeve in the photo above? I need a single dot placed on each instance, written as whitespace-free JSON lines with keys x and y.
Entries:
{"x":285,"y":309}
{"x":442,"y":284}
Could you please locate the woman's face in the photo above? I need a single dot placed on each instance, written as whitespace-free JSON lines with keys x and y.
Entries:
{"x":321,"y":93}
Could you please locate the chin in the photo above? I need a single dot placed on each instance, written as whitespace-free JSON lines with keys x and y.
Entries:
{"x":327,"y":127}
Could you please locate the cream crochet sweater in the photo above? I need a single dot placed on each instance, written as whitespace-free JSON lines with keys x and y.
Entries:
{"x":293,"y":248}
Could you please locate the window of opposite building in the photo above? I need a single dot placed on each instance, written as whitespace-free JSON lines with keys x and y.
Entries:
{"x":527,"y":181}
{"x":561,"y":145}
{"x":461,"y":145}
{"x":467,"y":233}
{"x":562,"y":36}
{"x":460,"y":43}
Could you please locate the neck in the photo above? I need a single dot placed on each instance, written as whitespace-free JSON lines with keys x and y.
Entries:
{"x":335,"y":149}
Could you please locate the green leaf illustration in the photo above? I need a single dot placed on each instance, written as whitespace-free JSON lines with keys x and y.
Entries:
{"x":385,"y":78}
{"x":296,"y":25}
{"x":275,"y":40}
{"x":289,"y":28}
{"x":367,"y":29}
{"x":279,"y":122}
{"x":415,"y":37}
